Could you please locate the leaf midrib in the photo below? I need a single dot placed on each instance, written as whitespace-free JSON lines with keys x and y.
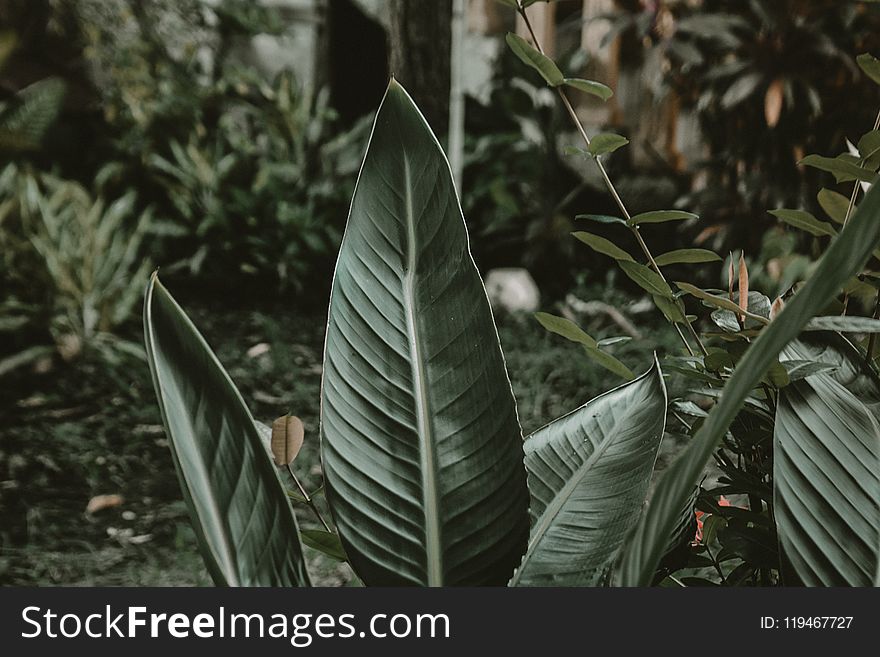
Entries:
{"x":433,"y":551}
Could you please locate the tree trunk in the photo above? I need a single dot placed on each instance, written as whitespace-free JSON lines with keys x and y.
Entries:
{"x":420,"y":37}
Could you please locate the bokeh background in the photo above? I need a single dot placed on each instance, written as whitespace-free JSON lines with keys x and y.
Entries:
{"x":220,"y":140}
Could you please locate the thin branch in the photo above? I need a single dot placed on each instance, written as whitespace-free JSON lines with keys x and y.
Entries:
{"x":614,"y":194}
{"x":308,"y":499}
{"x":849,"y":212}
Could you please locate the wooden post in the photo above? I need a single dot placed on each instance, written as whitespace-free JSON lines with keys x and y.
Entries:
{"x":420,"y":36}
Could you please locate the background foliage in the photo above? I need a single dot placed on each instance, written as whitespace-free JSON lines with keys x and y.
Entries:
{"x":133,"y":135}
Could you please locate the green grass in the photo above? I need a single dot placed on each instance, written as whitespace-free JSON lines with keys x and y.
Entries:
{"x":91,"y":428}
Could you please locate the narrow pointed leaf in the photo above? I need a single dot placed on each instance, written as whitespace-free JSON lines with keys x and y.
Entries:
{"x":421,"y":445}
{"x":618,"y":339}
{"x":588,"y":475}
{"x":844,"y":170}
{"x":672,"y":309}
{"x":566,"y":328}
{"x":869,"y":149}
{"x":609,"y":362}
{"x":603,"y":246}
{"x":246,"y":528}
{"x":601,"y":218}
{"x":646,"y":278}
{"x":688,"y":256}
{"x":845,"y":257}
{"x":805,"y":221}
{"x":844,"y":324}
{"x":661,"y":216}
{"x":834,"y":204}
{"x":531,"y":57}
{"x":589,"y":86}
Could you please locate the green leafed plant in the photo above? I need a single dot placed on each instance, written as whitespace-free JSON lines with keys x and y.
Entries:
{"x":793,"y":424}
{"x":422,"y":450}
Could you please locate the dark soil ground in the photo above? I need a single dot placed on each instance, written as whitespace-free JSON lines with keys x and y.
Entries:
{"x":92,"y":428}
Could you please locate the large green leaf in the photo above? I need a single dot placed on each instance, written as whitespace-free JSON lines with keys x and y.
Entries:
{"x":421,"y":445}
{"x":246,"y":529}
{"x":826,"y":467}
{"x":845,"y":257}
{"x":588,"y":475}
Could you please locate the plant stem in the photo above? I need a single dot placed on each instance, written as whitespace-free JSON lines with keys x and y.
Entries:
{"x":849,"y":212}
{"x":858,"y":185}
{"x":308,"y":499}
{"x":614,"y":194}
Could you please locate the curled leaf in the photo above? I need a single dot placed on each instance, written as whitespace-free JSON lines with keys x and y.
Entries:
{"x":776,"y":307}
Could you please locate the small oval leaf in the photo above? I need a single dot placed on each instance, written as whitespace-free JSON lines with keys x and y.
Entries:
{"x":529,"y":56}
{"x":589,"y":86}
{"x":687,"y":256}
{"x":606,"y":142}
{"x":661,"y":216}
{"x":287,"y":439}
{"x":603,"y":246}
{"x":646,"y":278}
{"x":601,"y":218}
{"x":610,"y":363}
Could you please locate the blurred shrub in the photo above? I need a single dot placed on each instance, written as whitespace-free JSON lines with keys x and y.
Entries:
{"x":770,"y":80}
{"x":266,"y":192}
{"x":247,"y":175}
{"x":76,"y":260}
{"x":519,"y":193}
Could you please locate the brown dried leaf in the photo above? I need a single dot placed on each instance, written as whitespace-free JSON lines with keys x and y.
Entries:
{"x":287,"y":439}
{"x":773,"y":102}
{"x":101,"y":502}
{"x":743,"y":284}
{"x":776,"y":307}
